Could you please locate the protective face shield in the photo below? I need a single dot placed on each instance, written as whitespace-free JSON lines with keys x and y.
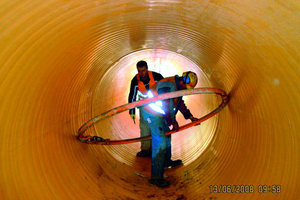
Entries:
{"x":190,"y":79}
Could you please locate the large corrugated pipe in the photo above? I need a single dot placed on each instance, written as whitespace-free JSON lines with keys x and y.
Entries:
{"x":64,"y":62}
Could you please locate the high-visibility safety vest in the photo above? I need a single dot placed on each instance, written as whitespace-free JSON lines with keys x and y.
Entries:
{"x":157,"y":107}
{"x":141,"y":85}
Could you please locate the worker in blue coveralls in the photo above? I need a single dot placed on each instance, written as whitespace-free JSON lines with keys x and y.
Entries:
{"x":162,"y":114}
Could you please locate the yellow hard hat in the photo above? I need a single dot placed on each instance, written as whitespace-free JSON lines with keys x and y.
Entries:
{"x":190,"y":79}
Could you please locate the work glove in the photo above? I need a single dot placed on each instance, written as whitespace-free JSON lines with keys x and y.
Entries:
{"x":133,"y":117}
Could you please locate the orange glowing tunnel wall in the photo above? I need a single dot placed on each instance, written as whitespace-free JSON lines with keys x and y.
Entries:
{"x":62,"y":62}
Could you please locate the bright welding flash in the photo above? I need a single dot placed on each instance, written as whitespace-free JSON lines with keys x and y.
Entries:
{"x":156,"y":106}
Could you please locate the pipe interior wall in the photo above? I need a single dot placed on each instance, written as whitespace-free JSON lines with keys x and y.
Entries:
{"x":63,"y":62}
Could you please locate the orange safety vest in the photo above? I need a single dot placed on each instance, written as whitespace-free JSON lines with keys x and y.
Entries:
{"x":141,"y":85}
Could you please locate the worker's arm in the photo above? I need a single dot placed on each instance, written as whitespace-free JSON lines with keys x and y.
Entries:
{"x":132,"y":96}
{"x":185,"y":111}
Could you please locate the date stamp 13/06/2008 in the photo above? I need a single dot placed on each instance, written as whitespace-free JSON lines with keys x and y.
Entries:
{"x":245,"y":189}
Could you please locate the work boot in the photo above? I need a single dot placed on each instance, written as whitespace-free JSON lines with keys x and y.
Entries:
{"x":172,"y":163}
{"x":162,"y":183}
{"x":144,"y":153}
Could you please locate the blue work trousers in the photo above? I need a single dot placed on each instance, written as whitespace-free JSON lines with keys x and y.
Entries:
{"x":161,"y":144}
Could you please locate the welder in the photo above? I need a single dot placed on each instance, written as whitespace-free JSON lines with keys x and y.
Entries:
{"x":161,"y":115}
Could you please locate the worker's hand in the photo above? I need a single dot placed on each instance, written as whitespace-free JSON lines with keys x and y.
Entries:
{"x":194,"y":119}
{"x":133,"y":117}
{"x":175,"y":126}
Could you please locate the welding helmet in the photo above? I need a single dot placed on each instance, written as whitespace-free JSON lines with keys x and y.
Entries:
{"x":190,"y":79}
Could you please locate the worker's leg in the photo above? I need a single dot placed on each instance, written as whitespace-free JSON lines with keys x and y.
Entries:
{"x":159,"y":148}
{"x":145,"y":131}
{"x":159,"y":144}
{"x":168,"y":162}
{"x":168,"y":142}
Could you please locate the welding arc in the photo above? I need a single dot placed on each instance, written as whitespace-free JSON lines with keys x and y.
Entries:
{"x":98,"y":140}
